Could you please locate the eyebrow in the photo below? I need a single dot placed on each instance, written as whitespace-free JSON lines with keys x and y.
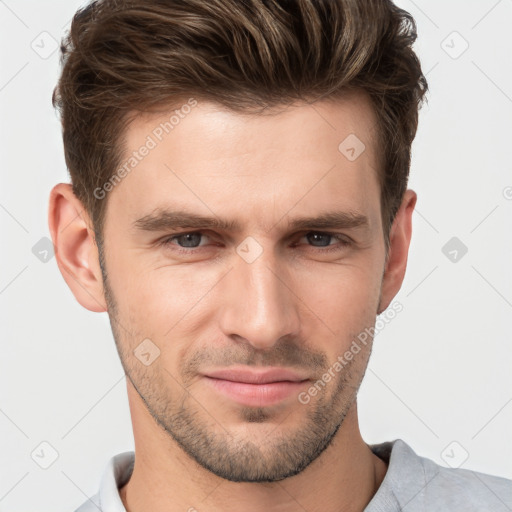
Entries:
{"x":168,"y":220}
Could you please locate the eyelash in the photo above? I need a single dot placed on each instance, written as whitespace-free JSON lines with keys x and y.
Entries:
{"x":343,"y":242}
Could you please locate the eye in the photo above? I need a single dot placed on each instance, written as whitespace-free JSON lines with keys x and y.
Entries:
{"x":324,"y":240}
{"x":186,"y":242}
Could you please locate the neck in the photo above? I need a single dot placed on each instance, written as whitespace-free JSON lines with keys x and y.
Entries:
{"x":344,"y":478}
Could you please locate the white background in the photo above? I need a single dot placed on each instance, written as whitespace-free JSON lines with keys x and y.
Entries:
{"x":440,"y":371}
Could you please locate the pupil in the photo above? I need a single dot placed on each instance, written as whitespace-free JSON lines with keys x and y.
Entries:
{"x":188,"y":237}
{"x":320,"y":235}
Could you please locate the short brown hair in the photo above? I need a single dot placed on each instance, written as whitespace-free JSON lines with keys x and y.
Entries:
{"x":126,"y":56}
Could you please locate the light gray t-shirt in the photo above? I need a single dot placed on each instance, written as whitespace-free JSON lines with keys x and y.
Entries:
{"x":411,"y":484}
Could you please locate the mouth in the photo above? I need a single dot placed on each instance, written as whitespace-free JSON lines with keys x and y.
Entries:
{"x":256,"y":388}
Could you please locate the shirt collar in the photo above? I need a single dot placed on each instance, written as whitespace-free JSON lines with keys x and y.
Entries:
{"x":118,"y":471}
{"x":405,"y":480}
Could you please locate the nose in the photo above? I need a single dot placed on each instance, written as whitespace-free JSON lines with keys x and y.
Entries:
{"x":258,"y":302}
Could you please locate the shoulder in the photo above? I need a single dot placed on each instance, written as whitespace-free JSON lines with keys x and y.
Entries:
{"x":465,"y":489}
{"x":415,"y":484}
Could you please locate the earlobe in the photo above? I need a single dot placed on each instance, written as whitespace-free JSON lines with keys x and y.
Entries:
{"x":400,"y":238}
{"x":76,"y":251}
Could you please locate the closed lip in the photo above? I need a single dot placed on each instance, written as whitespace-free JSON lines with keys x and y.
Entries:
{"x":251,"y":376}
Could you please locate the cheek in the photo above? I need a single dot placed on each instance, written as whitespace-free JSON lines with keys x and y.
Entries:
{"x":344,"y":299}
{"x":160,"y":302}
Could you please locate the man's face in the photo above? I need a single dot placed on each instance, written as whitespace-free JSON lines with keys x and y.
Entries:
{"x":261,"y":294}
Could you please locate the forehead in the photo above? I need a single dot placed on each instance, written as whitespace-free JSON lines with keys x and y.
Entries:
{"x":205,"y":157}
{"x":301,"y":125}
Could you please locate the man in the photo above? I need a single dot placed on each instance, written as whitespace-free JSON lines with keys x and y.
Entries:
{"x":239,"y":206}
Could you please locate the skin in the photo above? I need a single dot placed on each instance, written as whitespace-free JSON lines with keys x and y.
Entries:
{"x":295,"y":306}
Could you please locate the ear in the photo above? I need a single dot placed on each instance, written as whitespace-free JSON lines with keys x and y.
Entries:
{"x":399,"y":240}
{"x":75,"y":246}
